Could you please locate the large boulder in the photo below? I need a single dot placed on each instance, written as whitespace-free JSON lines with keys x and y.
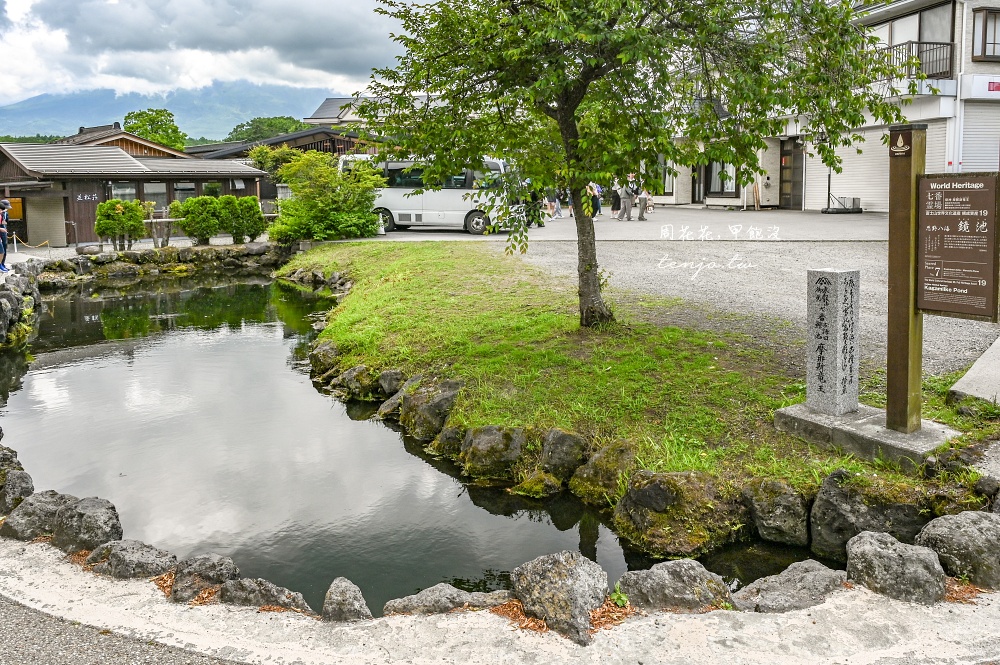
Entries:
{"x":424,"y":411}
{"x":780,"y":514}
{"x":323,"y":357}
{"x":344,"y":602}
{"x":8,"y":461}
{"x":447,"y":443}
{"x":803,"y":584}
{"x":36,"y":516}
{"x":597,"y":481}
{"x":127,"y":559}
{"x":86,"y":524}
{"x":198,"y":573}
{"x":389,"y":410}
{"x":390,"y":381}
{"x":891,"y":568}
{"x":358,"y":383}
{"x":490,"y":452}
{"x":538,"y":485}
{"x":442,"y":598}
{"x":562,"y":453}
{"x":563,"y":589}
{"x":678,"y":586}
{"x":840,"y":512}
{"x":260,"y":593}
{"x":678,"y":514}
{"x":968,"y":545}
{"x":14,"y":489}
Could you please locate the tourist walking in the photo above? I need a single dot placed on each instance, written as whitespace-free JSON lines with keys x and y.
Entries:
{"x":4,"y":218}
{"x":644,"y":199}
{"x":629,"y":192}
{"x":616,"y":198}
{"x":594,"y":192}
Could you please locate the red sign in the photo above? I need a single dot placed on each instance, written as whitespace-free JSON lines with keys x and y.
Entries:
{"x":994,"y":86}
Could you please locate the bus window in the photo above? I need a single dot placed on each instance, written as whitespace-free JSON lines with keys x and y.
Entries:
{"x":455,"y":182}
{"x":399,"y":176}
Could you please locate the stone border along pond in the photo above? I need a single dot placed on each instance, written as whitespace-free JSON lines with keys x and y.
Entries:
{"x":893,"y":549}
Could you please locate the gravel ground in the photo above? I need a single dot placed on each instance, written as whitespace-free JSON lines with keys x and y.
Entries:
{"x":28,"y":637}
{"x":763,"y":283}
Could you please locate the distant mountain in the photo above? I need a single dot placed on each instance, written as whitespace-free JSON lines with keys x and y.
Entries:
{"x":210,"y":112}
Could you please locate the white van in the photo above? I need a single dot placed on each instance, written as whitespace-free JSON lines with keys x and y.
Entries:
{"x":459,"y":203}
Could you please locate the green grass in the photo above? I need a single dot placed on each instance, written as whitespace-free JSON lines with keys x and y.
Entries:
{"x":687,"y":400}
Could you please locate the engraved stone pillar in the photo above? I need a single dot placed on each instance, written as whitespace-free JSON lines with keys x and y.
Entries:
{"x":833,"y":336}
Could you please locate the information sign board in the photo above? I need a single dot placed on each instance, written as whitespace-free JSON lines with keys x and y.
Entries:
{"x":958,"y":247}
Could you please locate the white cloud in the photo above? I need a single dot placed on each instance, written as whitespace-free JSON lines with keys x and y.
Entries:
{"x":147,"y":46}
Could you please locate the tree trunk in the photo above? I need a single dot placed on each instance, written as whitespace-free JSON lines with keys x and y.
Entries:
{"x":593,"y":311}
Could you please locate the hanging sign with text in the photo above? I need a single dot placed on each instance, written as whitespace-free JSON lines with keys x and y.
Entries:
{"x":958,"y":248}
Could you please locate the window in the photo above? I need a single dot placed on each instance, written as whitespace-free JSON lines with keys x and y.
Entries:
{"x":211,"y":189}
{"x":986,"y":34}
{"x":183,"y":190}
{"x":124,"y":191}
{"x":722,"y":179}
{"x":455,"y":181}
{"x":155,"y":192}
{"x":930,"y":25}
{"x":668,"y":181}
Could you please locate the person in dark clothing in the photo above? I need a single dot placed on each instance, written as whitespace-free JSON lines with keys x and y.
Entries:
{"x":4,"y":218}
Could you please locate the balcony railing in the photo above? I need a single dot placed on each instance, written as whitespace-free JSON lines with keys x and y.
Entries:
{"x":935,"y":58}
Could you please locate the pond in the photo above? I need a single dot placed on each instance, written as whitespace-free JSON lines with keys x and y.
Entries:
{"x":191,"y":409}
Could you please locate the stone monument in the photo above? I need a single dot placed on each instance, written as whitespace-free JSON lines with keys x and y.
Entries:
{"x":833,"y":334}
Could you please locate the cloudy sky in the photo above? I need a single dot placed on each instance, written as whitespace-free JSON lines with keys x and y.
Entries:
{"x":151,"y":46}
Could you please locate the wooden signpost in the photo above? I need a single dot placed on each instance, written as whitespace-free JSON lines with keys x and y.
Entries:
{"x":944,"y":259}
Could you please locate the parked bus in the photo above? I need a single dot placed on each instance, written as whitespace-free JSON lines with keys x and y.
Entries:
{"x":458,"y":204}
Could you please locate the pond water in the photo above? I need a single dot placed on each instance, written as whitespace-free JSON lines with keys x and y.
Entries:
{"x":190,"y":408}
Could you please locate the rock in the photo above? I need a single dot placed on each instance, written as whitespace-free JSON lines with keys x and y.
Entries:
{"x":85,"y":524}
{"x":390,"y":381}
{"x":344,"y":602}
{"x":447,"y":443}
{"x":8,"y":462}
{"x":839,"y":513}
{"x":14,"y":490}
{"x":538,"y":485}
{"x":678,"y":586}
{"x":202,"y":572}
{"x":442,"y":598}
{"x":424,"y":411}
{"x":88,"y":250}
{"x":996,"y":506}
{"x":390,"y":408}
{"x":323,"y":356}
{"x":260,"y":593}
{"x":678,"y":514}
{"x":597,"y":481}
{"x":563,"y":589}
{"x":780,"y":514}
{"x":256,"y":248}
{"x":490,"y":452}
{"x":987,"y":486}
{"x":891,"y":568}
{"x":127,"y":559}
{"x":36,"y":516}
{"x":562,"y":453}
{"x":104,"y":257}
{"x":968,"y":545}
{"x":803,"y":584}
{"x":358,"y":383}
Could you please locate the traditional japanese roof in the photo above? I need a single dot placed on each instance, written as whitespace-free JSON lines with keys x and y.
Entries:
{"x":300,"y":139}
{"x":41,"y":160}
{"x":333,"y":111}
{"x":109,"y":135}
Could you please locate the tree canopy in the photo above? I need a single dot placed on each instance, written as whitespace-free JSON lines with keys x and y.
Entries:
{"x":156,"y":125}
{"x":259,"y":129}
{"x":581,"y":90}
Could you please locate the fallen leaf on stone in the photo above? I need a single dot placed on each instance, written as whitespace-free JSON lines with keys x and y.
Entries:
{"x":165,"y":582}
{"x":609,"y":615}
{"x":80,"y":558}
{"x":205,"y":596}
{"x":41,"y":539}
{"x":956,"y":591}
{"x":513,"y":610}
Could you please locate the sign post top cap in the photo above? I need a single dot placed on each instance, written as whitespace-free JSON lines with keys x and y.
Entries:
{"x":906,"y":128}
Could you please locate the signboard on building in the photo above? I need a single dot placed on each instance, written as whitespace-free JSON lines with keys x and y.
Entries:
{"x":958,"y":247}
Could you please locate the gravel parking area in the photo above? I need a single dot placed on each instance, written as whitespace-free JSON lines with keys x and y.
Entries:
{"x":764,"y":284}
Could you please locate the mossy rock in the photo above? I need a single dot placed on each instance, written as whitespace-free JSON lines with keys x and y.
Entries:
{"x":448,"y":443}
{"x":491,"y":452}
{"x":598,"y":481}
{"x":538,"y":485}
{"x":678,"y":514}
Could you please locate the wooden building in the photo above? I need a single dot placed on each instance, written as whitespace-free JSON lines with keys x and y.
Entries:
{"x":56,"y":187}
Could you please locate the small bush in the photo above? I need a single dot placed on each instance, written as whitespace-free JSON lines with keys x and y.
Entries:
{"x":121,"y":221}
{"x":228,"y":210}
{"x":251,"y":220}
{"x":201,"y":218}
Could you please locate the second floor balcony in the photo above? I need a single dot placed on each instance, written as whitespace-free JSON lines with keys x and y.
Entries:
{"x":933,"y":59}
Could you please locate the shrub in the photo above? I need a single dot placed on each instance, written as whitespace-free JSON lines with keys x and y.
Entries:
{"x":252,"y":222}
{"x":121,"y":221}
{"x":201,"y":218}
{"x":326,"y":204}
{"x":228,"y":211}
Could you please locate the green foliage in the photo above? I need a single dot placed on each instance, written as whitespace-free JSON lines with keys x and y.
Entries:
{"x":271,"y":159}
{"x":121,"y":221}
{"x":582,"y":90}
{"x":326,"y":203}
{"x":618,"y":597}
{"x":227,"y":209}
{"x":200,"y":218}
{"x":259,"y":129}
{"x":156,"y":125}
{"x":250,"y":221}
{"x":37,"y":138}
